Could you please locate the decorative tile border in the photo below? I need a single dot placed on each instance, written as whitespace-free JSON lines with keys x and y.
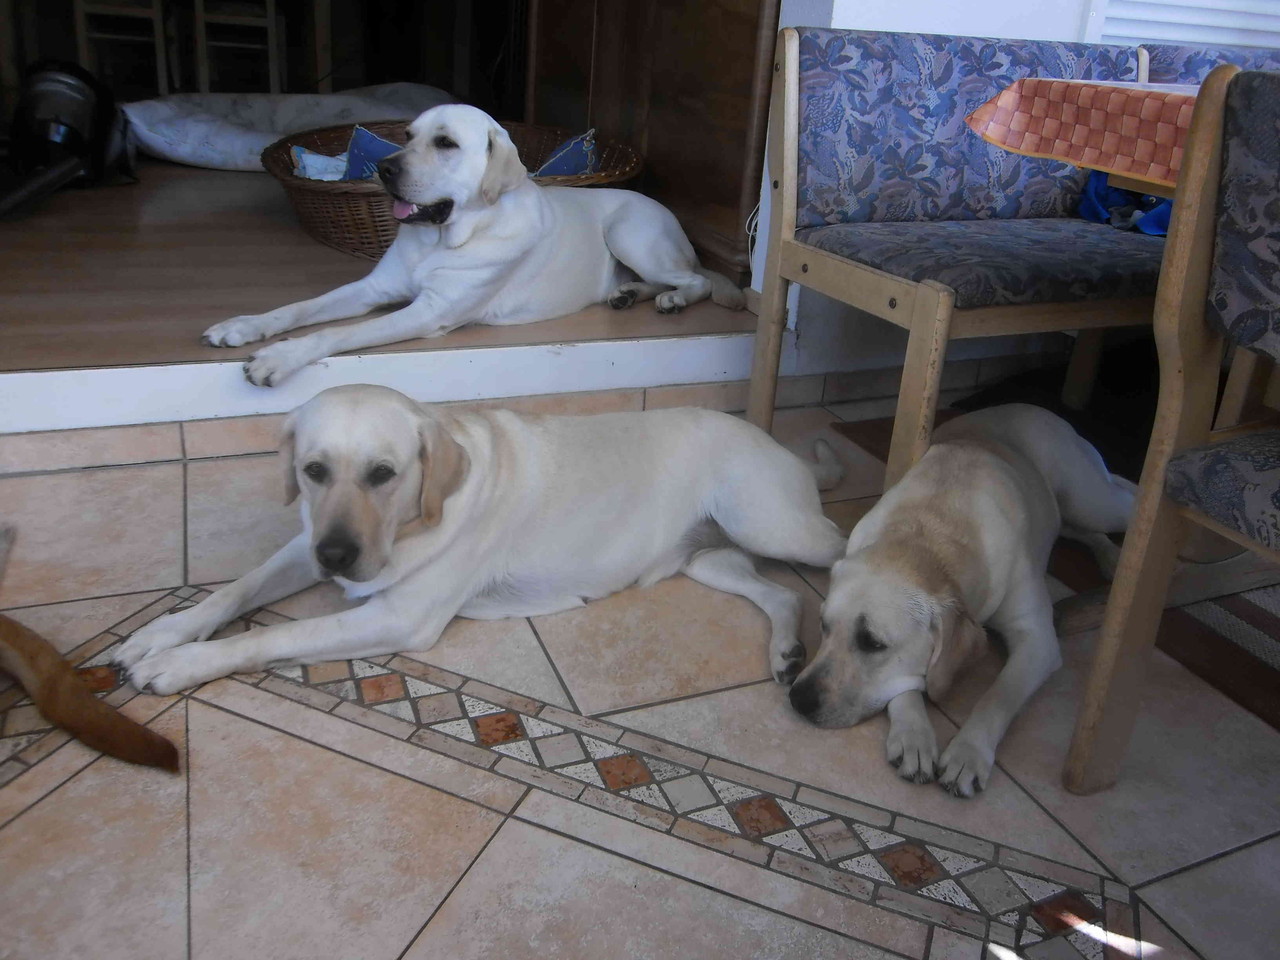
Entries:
{"x":931,"y":873}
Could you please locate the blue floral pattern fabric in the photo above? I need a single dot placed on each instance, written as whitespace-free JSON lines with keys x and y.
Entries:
{"x":882,"y":131}
{"x":1244,"y":287}
{"x":1179,"y":64}
{"x":997,"y":262}
{"x":1236,"y":483}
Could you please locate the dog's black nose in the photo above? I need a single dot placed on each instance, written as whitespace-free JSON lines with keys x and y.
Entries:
{"x":337,"y":552}
{"x":388,"y":168}
{"x":804,"y":699}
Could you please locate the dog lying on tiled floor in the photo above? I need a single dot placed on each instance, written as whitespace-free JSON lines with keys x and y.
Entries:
{"x":961,"y":541}
{"x":431,"y":514}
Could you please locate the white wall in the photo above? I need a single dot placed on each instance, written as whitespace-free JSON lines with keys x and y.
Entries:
{"x":830,"y":336}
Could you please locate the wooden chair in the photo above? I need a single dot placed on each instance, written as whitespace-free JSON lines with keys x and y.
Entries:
{"x":1217,"y":286}
{"x":842,"y":235}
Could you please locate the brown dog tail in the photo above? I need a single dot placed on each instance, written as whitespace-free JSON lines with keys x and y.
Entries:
{"x":66,"y":701}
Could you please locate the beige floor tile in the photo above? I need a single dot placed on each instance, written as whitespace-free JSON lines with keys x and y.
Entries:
{"x":337,"y":859}
{"x":797,"y":429}
{"x":1158,"y":942}
{"x":1202,"y":775}
{"x":98,"y":868}
{"x":232,"y":436}
{"x":93,"y":533}
{"x":732,"y":394}
{"x":319,"y":601}
{"x":236,"y":517}
{"x":504,"y":653}
{"x":542,"y":881}
{"x":729,"y":875}
{"x":67,"y":625}
{"x":1226,"y":908}
{"x":564,"y":404}
{"x":66,"y":449}
{"x":756,"y":726}
{"x":845,"y":514}
{"x":673,"y":639}
{"x":388,"y":752}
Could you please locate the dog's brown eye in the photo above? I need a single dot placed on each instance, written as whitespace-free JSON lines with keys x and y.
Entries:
{"x":380,"y":474}
{"x":316,"y":471}
{"x":444,"y":143}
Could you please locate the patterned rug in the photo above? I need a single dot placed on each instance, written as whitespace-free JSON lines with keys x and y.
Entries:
{"x":1231,"y":642}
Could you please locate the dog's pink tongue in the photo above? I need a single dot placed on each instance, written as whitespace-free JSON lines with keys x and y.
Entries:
{"x":400,"y":209}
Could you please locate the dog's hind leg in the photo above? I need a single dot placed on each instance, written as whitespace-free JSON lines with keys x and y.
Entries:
{"x":652,"y":245}
{"x":731,"y":570}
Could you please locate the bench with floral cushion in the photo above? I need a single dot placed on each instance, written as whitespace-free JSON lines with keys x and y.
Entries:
{"x":884,"y":199}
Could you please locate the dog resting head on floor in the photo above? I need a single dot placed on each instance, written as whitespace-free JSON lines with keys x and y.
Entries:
{"x":961,"y":541}
{"x":64,"y":699}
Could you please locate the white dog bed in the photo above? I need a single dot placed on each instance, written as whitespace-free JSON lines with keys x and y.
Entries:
{"x":229,"y":131}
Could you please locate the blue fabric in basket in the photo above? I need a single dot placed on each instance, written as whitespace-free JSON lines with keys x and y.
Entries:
{"x":576,"y":155}
{"x":363,"y":153}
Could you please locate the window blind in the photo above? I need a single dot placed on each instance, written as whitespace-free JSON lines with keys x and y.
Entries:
{"x":1242,"y":23}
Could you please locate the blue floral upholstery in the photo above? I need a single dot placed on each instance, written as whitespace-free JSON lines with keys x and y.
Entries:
{"x":1244,"y":288}
{"x":1177,"y":64}
{"x":1236,"y":483}
{"x":882,"y":132}
{"x":997,"y":262}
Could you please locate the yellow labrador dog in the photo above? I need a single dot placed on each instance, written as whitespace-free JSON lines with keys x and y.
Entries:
{"x":430,"y":513}
{"x":961,"y":541}
{"x":482,"y":243}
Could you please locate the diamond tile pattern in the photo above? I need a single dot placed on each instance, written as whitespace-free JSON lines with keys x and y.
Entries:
{"x":1034,"y":911}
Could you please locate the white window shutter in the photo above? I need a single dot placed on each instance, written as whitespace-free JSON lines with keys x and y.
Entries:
{"x":1239,"y":23}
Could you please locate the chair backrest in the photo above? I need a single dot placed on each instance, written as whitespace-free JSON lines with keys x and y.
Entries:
{"x":1244,"y":285}
{"x":882,"y":134}
{"x":1171,"y":63}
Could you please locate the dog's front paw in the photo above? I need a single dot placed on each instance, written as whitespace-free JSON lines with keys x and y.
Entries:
{"x":913,"y":750}
{"x":787,"y":664}
{"x":966,"y":767}
{"x":237,"y":331}
{"x":275,"y":363}
{"x":162,"y":633}
{"x":622,"y":298}
{"x":181,"y":668}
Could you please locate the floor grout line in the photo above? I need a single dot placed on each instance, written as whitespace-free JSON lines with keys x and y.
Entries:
{"x":103,"y":596}
{"x":1204,"y":861}
{"x":461,"y":876}
{"x":564,"y":686}
{"x":1137,"y":917}
{"x":606,"y":714}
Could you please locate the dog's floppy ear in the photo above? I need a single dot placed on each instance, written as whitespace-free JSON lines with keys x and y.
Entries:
{"x":957,"y":638}
{"x":444,"y":466}
{"x":504,"y":170}
{"x":286,"y":460}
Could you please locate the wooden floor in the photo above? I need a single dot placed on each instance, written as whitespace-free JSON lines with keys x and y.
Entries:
{"x":133,"y":274}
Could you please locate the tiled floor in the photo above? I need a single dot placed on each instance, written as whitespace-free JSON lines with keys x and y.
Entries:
{"x":618,"y":781}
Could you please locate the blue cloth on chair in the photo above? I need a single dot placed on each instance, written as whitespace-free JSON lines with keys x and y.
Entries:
{"x":1125,"y":209}
{"x":363,"y":153}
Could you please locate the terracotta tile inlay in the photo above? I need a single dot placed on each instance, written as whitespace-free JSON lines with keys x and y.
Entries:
{"x":498,"y":728}
{"x":1065,"y":912}
{"x":328,"y":672}
{"x":624,"y":771}
{"x":759,"y":816}
{"x":911,"y":865}
{"x":386,"y":686}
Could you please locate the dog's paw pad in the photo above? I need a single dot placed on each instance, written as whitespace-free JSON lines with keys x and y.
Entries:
{"x":670,"y":301}
{"x":622,"y":299}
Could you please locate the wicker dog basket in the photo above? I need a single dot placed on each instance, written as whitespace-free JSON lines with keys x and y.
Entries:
{"x":354,"y":216}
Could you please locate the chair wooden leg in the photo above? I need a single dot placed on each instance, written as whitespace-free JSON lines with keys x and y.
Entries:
{"x":1110,"y":705}
{"x":770,"y":327}
{"x":921,"y":379}
{"x":1082,"y":370}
